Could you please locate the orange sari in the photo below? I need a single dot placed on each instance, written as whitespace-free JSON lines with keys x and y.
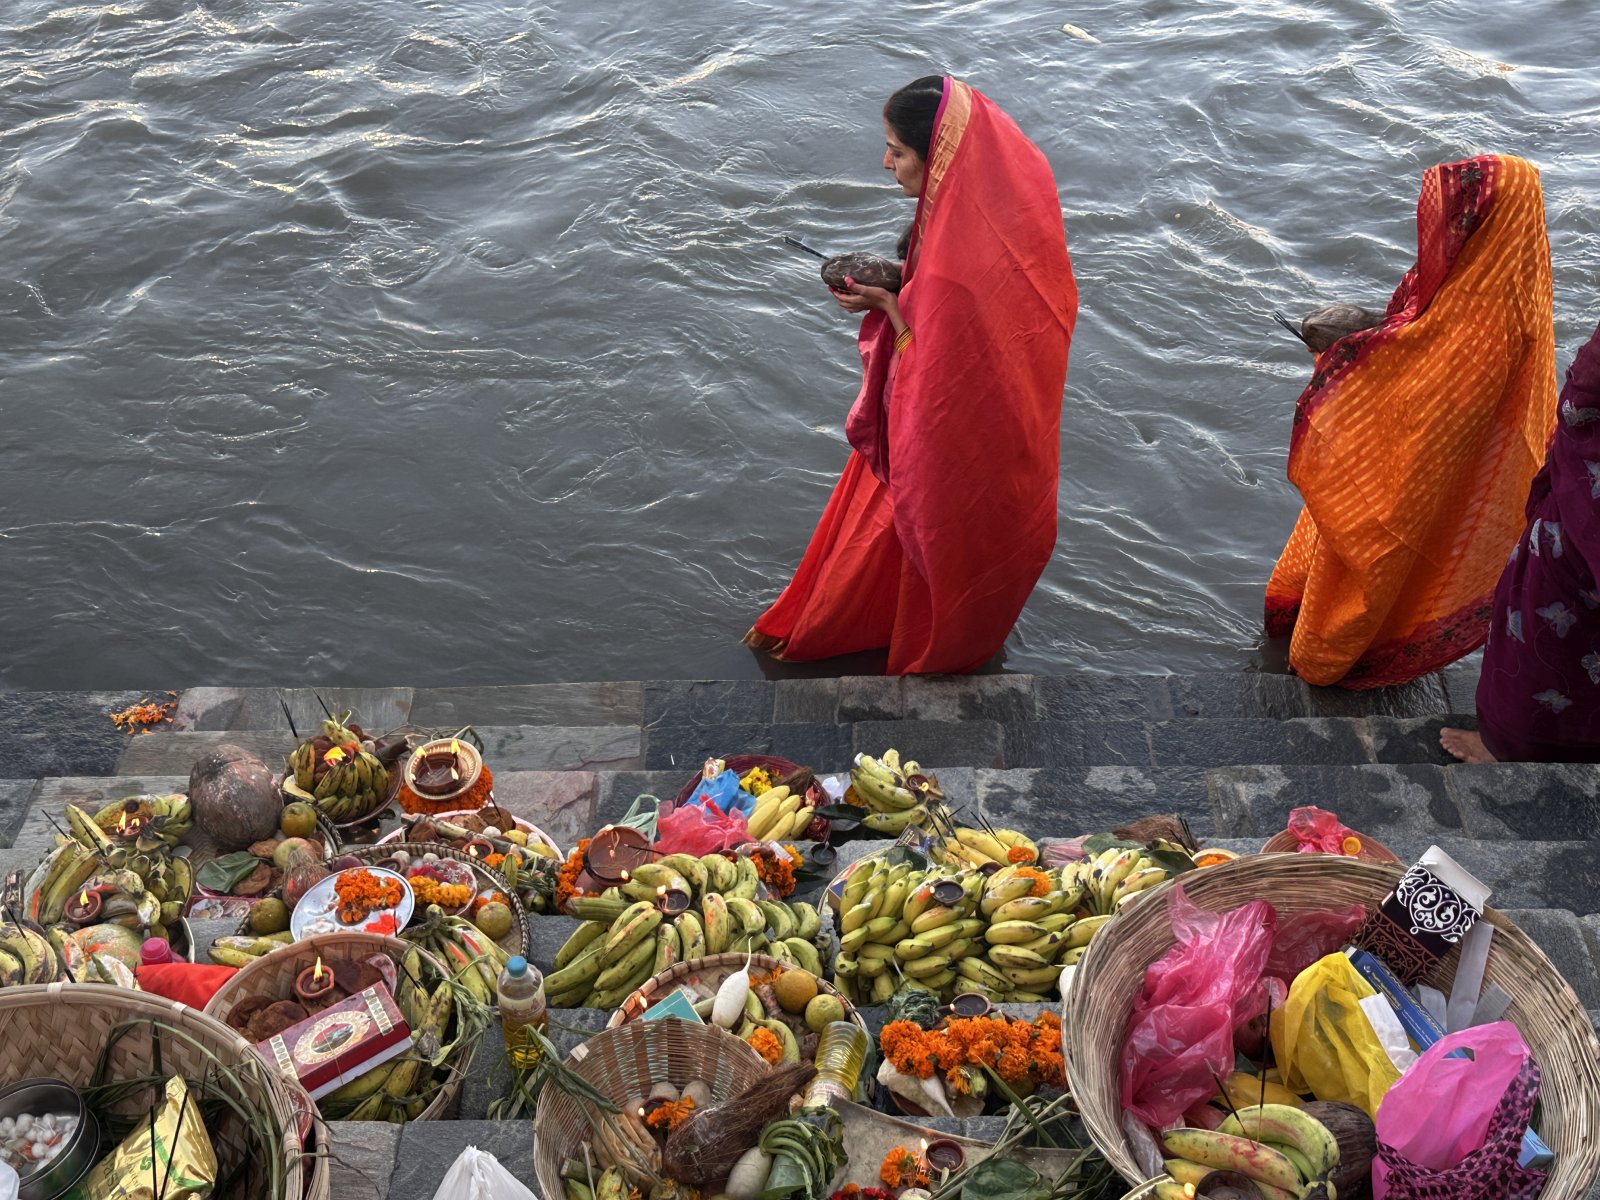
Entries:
{"x":1415,"y":443}
{"x":945,"y":515}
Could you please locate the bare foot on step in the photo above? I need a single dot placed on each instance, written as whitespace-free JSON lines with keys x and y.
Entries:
{"x":1466,"y":745}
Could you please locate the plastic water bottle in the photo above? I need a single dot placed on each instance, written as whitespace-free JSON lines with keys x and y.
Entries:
{"x":520,"y":991}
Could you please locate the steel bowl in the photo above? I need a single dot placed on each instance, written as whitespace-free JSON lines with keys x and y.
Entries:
{"x":63,"y":1172}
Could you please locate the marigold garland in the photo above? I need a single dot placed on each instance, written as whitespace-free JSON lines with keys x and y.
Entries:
{"x":1020,"y":854}
{"x":360,"y":892}
{"x":567,"y":878}
{"x":765,"y":1043}
{"x":902,"y":1168}
{"x":1013,"y":1050}
{"x":777,"y":872}
{"x":670,"y":1115}
{"x":446,"y":895}
{"x":137,"y":718}
{"x":756,"y":781}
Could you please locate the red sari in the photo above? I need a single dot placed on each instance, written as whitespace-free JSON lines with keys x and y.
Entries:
{"x":945,"y":515}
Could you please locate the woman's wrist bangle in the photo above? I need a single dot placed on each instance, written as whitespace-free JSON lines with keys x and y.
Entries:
{"x":902,"y":340}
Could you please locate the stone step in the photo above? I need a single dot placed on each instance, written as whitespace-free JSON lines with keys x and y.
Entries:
{"x":1502,"y":801}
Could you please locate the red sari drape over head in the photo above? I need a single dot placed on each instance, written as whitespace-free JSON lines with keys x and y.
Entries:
{"x":945,"y":515}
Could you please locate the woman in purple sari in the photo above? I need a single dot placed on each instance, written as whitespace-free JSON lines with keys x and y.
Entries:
{"x":1539,"y":695}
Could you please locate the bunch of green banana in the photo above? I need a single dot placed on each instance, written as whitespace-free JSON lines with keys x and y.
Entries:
{"x":625,"y":939}
{"x":1114,"y":877}
{"x":241,"y":951}
{"x":158,"y":821}
{"x":1286,"y":1152}
{"x":26,"y":956}
{"x":980,"y":848}
{"x":474,"y":958}
{"x":893,"y":792}
{"x":339,"y":772}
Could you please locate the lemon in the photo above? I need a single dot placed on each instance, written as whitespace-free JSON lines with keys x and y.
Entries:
{"x":540,"y":850}
{"x":494,"y":919}
{"x":269,"y":916}
{"x":823,"y":1011}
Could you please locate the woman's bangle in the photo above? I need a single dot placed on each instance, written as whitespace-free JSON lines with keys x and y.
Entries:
{"x":902,"y":340}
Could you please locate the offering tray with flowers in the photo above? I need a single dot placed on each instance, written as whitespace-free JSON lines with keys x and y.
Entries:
{"x":357,"y":899}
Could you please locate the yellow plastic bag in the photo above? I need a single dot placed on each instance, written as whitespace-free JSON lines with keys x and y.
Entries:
{"x":1324,"y":1043}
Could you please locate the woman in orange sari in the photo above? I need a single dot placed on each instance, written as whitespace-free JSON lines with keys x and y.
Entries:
{"x":1414,"y":445}
{"x":945,"y":515}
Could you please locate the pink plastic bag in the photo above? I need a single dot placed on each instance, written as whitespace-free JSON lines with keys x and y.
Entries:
{"x":1310,"y":937}
{"x":1319,"y":832}
{"x":1453,"y":1126}
{"x":1181,"y":1033}
{"x":699,"y":829}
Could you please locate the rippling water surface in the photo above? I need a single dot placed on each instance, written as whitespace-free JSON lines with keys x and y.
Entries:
{"x":377,"y":341}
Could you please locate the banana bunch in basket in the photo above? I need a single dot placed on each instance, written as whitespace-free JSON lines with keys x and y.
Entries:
{"x":896,"y":794}
{"x":1116,"y":876}
{"x":471,"y":955}
{"x":338,"y":771}
{"x":626,"y":940}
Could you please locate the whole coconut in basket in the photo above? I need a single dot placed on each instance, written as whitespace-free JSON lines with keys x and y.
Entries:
{"x":234,"y":797}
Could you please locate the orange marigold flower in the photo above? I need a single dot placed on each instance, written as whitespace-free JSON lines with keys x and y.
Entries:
{"x":670,"y":1115}
{"x":901,"y":1168}
{"x":1019,"y":854}
{"x":567,"y":877}
{"x":777,"y":872}
{"x":765,"y":1043}
{"x":360,"y":892}
{"x":1041,"y":881}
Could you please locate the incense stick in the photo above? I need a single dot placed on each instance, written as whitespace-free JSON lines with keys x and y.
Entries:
{"x":799,"y":245}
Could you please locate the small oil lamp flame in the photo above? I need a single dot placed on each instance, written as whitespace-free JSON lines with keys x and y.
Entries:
{"x":122,"y":823}
{"x":1188,"y":1190}
{"x":83,"y":899}
{"x":316,"y":973}
{"x":455,"y":746}
{"x":662,"y":890}
{"x":334,"y":755}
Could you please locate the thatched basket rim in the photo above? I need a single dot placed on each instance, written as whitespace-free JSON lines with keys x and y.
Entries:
{"x":1544,"y":1007}
{"x":67,"y":1004}
{"x":249,"y":980}
{"x":714,"y":1054}
{"x":1284,"y":842}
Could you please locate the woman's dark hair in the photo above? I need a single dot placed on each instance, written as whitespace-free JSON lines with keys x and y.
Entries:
{"x":912,"y":110}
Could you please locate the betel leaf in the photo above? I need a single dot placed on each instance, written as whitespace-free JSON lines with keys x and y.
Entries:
{"x":1001,"y":1178}
{"x":223,"y":874}
{"x":841,"y":812}
{"x":1174,"y":861}
{"x":1096,"y":843}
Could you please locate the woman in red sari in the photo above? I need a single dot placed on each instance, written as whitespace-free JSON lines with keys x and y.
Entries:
{"x":945,"y":515}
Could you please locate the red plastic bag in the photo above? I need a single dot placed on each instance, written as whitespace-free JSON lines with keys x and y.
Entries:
{"x":699,"y":829}
{"x":1452,"y":1126}
{"x":1181,"y":1032}
{"x":1319,"y":832}
{"x":1310,"y":937}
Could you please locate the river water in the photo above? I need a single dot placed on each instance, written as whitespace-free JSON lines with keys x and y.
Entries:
{"x":385,"y":341}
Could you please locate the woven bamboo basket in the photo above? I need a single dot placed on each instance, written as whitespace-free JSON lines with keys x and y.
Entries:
{"x":700,"y":974}
{"x":518,"y":940}
{"x":274,"y":974}
{"x":622,"y":1064}
{"x":1372,"y":850}
{"x":1543,"y":1006}
{"x":739,"y":764}
{"x":59,"y":1030}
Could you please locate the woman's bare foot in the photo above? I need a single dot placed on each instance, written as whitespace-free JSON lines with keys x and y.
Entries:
{"x":1466,"y":745}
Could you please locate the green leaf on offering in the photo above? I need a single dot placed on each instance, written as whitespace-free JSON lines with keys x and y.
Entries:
{"x":841,"y":812}
{"x":1095,"y":843}
{"x":1000,"y":1178}
{"x":1175,"y":862}
{"x":223,"y":874}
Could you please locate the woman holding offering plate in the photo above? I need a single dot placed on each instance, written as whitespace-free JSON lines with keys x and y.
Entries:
{"x":945,"y":515}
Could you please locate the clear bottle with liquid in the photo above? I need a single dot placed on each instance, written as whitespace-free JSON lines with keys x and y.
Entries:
{"x":520,"y":992}
{"x":841,"y":1054}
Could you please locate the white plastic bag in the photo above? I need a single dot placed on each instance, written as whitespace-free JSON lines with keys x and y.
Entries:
{"x":478,"y":1175}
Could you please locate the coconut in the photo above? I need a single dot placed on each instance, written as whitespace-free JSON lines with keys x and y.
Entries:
{"x":869,"y":270}
{"x":234,"y":798}
{"x":1358,"y":1144}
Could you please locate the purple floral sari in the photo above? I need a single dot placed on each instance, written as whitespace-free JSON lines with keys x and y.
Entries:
{"x":1539,"y":696}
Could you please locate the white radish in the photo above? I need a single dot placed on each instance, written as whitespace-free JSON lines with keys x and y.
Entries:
{"x":729,"y":1006}
{"x":749,"y":1174}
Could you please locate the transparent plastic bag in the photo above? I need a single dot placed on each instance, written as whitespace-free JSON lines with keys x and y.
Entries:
{"x":1453,"y":1124}
{"x":478,"y":1175}
{"x":1194,"y":998}
{"x":1323,"y":1042}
